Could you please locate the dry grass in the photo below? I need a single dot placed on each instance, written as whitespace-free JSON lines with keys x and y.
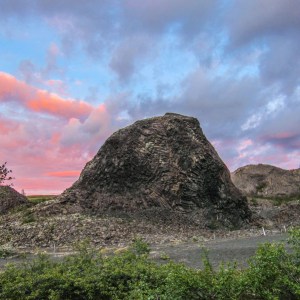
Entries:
{"x":35,"y":199}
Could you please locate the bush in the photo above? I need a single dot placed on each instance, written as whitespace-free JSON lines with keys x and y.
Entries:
{"x":140,"y":247}
{"x":28,"y":217}
{"x":6,"y":252}
{"x":36,"y":199}
{"x":273,"y":273}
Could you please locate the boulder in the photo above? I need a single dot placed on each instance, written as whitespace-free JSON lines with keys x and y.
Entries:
{"x":161,"y":164}
{"x":10,"y":198}
{"x":267,"y":181}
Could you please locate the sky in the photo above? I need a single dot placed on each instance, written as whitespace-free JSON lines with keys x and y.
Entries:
{"x":74,"y":72}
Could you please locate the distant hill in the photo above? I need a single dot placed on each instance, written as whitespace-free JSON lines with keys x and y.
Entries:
{"x":267,"y":181}
{"x":10,"y":198}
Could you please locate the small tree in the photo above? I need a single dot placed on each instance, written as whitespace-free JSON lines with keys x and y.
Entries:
{"x":4,"y":174}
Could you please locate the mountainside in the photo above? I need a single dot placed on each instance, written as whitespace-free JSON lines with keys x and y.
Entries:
{"x":163,"y":164}
{"x":10,"y":198}
{"x":267,"y":181}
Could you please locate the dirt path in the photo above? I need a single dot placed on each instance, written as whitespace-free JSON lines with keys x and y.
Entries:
{"x":238,"y":250}
{"x":226,"y":250}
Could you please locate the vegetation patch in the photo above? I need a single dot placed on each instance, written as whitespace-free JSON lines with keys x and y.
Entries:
{"x":261,"y":186}
{"x":6,"y":252}
{"x":36,"y":199}
{"x":273,"y":273}
{"x":276,"y":201}
{"x":28,"y":217}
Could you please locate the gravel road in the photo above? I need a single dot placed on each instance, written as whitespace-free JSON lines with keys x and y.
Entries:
{"x":239,"y":250}
{"x":226,"y":250}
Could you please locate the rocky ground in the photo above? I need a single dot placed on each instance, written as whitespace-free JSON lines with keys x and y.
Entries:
{"x":30,"y":230}
{"x":191,"y":253}
{"x":29,"y":227}
{"x":267,"y":181}
{"x":10,"y":198}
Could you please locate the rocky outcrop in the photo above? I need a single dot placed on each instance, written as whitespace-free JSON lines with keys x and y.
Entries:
{"x":10,"y":198}
{"x":267,"y":181}
{"x":160,"y":164}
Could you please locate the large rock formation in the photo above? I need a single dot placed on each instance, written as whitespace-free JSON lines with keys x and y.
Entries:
{"x":10,"y":198}
{"x":163,"y":163}
{"x":267,"y":181}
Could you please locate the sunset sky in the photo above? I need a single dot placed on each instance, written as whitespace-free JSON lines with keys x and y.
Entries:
{"x":73,"y":72}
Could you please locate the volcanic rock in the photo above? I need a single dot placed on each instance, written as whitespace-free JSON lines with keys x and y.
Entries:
{"x":10,"y":198}
{"x":267,"y":181}
{"x":163,"y":164}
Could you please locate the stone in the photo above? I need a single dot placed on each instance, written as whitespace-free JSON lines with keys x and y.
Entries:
{"x":10,"y":198}
{"x":263,"y":180}
{"x":160,"y":165}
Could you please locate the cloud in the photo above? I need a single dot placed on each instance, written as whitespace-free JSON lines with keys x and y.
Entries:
{"x":13,"y":90}
{"x":214,"y":100}
{"x":159,"y":16}
{"x":54,"y":104}
{"x":128,"y":33}
{"x":36,"y":140}
{"x":281,"y":131}
{"x":71,"y":174}
{"x":47,"y":148}
{"x":128,"y":53}
{"x":281,"y":63}
{"x":53,"y":53}
{"x":37,"y":151}
{"x":250,"y":20}
{"x":28,"y":72}
{"x":274,"y":27}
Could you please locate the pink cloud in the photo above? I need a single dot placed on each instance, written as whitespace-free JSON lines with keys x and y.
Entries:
{"x":47,"y":154}
{"x":39,"y":100}
{"x":64,"y":174}
{"x":32,"y":143}
{"x":282,"y":135}
{"x":53,"y":104}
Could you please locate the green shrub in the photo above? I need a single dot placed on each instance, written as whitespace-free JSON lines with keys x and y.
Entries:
{"x":254,"y":201}
{"x":28,"y":217}
{"x":36,"y":199}
{"x":261,"y":186}
{"x":140,"y":247}
{"x":6,"y":252}
{"x":273,"y":273}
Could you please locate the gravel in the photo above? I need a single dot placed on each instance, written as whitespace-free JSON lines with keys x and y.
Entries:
{"x":189,"y":253}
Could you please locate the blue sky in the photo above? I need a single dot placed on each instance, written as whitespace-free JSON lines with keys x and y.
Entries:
{"x":73,"y":72}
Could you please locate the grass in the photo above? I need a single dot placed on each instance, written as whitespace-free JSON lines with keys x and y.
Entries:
{"x":36,"y":199}
{"x":276,"y":201}
{"x":6,"y":252}
{"x":28,"y":217}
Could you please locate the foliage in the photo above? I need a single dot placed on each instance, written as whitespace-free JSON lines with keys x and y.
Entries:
{"x":261,"y":186}
{"x":276,"y":201}
{"x":4,"y":173}
{"x":273,"y":273}
{"x":6,"y":252}
{"x":254,"y":201}
{"x":28,"y":216}
{"x":140,"y":247}
{"x":36,"y":199}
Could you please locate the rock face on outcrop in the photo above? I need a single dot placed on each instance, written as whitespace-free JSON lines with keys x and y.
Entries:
{"x":162,"y":163}
{"x":10,"y":198}
{"x":267,"y":181}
